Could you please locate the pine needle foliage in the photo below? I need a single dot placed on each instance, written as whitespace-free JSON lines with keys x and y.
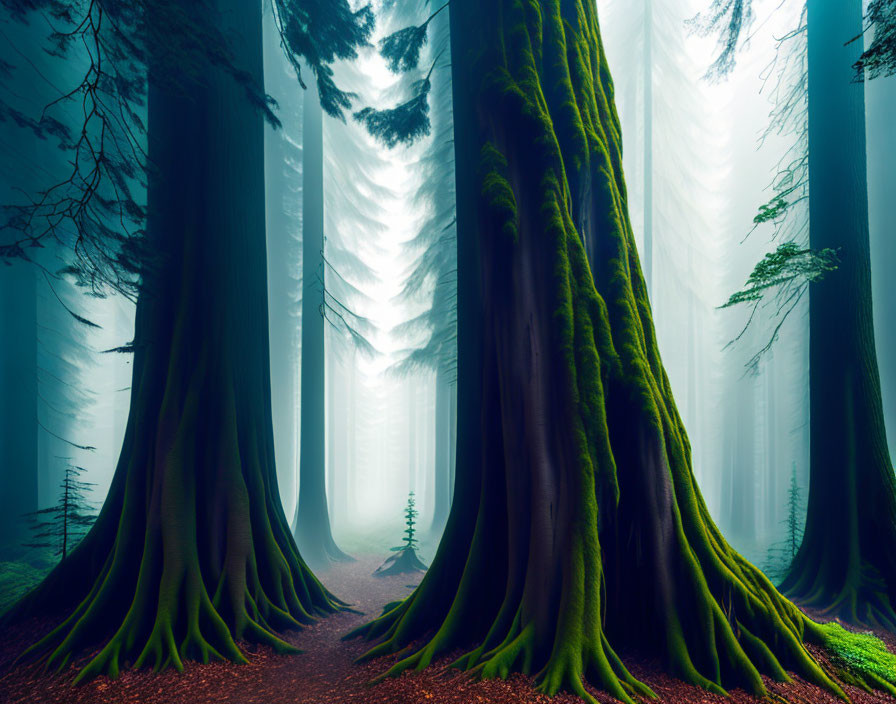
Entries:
{"x":410,"y":522}
{"x":780,"y":555}
{"x":61,"y":527}
{"x":403,"y":124}
{"x":781,"y":279}
{"x":401,"y":49}
{"x":879,"y":59}
{"x":729,"y":19}
{"x":318,"y":32}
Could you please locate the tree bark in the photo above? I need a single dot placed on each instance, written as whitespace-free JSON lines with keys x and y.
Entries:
{"x":846,"y":565}
{"x":577,"y":527}
{"x":881,"y":106}
{"x":282,"y":181}
{"x":312,"y":521}
{"x":18,"y":395}
{"x":192,"y":552}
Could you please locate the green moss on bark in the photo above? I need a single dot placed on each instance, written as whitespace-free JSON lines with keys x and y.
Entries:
{"x":577,"y":526}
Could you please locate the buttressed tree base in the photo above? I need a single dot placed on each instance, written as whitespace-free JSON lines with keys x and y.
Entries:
{"x":577,"y":527}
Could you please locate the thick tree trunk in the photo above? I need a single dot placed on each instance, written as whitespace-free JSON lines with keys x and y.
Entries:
{"x":577,"y":527}
{"x":312,"y":521}
{"x":18,"y":396}
{"x":191,"y":552}
{"x":846,"y":564}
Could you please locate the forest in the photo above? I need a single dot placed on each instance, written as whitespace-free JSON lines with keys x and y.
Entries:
{"x":450,"y":352}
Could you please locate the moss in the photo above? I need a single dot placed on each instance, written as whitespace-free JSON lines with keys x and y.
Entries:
{"x":497,"y":193}
{"x":859,"y":654}
{"x":550,"y":162}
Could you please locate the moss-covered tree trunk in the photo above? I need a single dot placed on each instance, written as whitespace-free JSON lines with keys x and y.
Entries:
{"x":312,"y":522}
{"x":847,"y":562}
{"x":191,"y":551}
{"x":577,"y":528}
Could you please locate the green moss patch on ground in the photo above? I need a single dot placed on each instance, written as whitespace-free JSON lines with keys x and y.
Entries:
{"x":859,"y":654}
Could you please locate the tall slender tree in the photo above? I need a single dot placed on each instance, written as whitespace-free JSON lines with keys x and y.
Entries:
{"x":577,"y":527}
{"x":845,"y":566}
{"x":312,"y":521}
{"x":283,"y":184}
{"x":433,"y":270}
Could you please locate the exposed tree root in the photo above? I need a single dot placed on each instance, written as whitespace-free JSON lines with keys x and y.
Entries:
{"x":577,"y":528}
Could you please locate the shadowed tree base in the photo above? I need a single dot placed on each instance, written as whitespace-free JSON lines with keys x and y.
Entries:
{"x":191,"y":552}
{"x":577,"y":527}
{"x":846,"y":564}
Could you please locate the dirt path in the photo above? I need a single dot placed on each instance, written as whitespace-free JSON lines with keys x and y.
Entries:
{"x":326,"y":674}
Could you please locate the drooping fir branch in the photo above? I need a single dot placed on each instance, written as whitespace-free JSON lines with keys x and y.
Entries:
{"x":358,"y":328}
{"x":878,"y":59}
{"x":430,"y":337}
{"x":96,"y":211}
{"x":729,"y":19}
{"x":337,"y":289}
{"x":401,"y":49}
{"x":781,"y":279}
{"x":319,"y":32}
{"x":408,"y":121}
{"x":403,"y":124}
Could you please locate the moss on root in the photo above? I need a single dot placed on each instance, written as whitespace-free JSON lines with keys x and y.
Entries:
{"x":566,"y":308}
{"x":861,"y":659}
{"x":191,"y":553}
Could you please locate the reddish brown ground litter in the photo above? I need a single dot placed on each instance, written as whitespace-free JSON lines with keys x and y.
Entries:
{"x":326,"y":674}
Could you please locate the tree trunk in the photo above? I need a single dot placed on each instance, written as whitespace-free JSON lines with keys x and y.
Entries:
{"x":577,"y":527}
{"x":18,"y":395}
{"x":452,"y":442}
{"x":740,"y":477}
{"x":442,"y":469}
{"x":282,"y":181}
{"x":312,"y":521}
{"x":846,"y":564}
{"x":191,"y":551}
{"x":881,"y":103}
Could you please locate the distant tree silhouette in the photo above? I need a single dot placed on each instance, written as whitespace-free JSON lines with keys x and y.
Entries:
{"x":61,"y":527}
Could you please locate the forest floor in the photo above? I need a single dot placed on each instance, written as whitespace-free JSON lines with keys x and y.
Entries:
{"x":326,"y":673}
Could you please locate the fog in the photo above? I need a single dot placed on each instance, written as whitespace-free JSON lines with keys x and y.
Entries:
{"x":700,"y":155}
